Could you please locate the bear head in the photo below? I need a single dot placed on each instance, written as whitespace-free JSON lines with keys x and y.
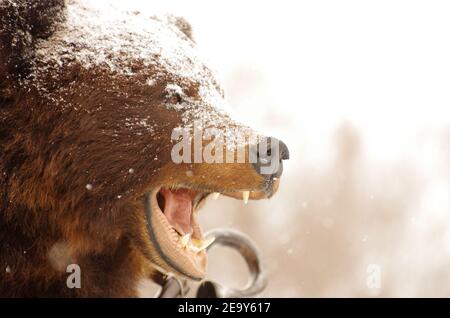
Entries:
{"x":113,"y":131}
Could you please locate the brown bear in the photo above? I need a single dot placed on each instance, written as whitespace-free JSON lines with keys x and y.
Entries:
{"x":94,"y":105}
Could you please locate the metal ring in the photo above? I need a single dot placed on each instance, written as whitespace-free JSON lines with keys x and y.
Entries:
{"x":251,"y":255}
{"x":173,"y":288}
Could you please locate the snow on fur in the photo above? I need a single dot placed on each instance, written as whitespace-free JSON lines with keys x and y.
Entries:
{"x":96,"y":34}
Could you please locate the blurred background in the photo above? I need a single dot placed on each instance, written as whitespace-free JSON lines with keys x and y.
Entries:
{"x":360,"y":92}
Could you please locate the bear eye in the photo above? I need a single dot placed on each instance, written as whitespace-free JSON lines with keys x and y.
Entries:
{"x":174,"y":94}
{"x":175,"y":98}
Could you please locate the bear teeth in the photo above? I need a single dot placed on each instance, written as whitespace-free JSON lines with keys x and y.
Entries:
{"x":245,"y":196}
{"x":184,"y":240}
{"x":195,"y":245}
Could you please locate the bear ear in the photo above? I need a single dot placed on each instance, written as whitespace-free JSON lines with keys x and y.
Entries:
{"x":184,"y":26}
{"x":21,"y":23}
{"x":179,"y":22}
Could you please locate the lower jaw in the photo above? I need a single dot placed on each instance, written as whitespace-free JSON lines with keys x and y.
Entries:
{"x":165,"y":241}
{"x":172,"y":255}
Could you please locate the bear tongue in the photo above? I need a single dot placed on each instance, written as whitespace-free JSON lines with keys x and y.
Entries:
{"x":178,"y":209}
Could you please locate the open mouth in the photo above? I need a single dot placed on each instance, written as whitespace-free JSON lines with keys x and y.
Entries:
{"x":172,"y":220}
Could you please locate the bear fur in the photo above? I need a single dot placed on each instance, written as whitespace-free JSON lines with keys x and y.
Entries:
{"x":88,"y":102}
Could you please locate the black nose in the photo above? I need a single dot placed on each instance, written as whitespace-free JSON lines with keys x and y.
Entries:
{"x":267,"y":157}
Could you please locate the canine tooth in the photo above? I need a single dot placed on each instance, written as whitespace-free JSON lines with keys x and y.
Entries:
{"x":245,"y":196}
{"x":208,"y":242}
{"x":184,"y":240}
{"x":193,"y":248}
{"x":200,"y":245}
{"x":216,"y":195}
